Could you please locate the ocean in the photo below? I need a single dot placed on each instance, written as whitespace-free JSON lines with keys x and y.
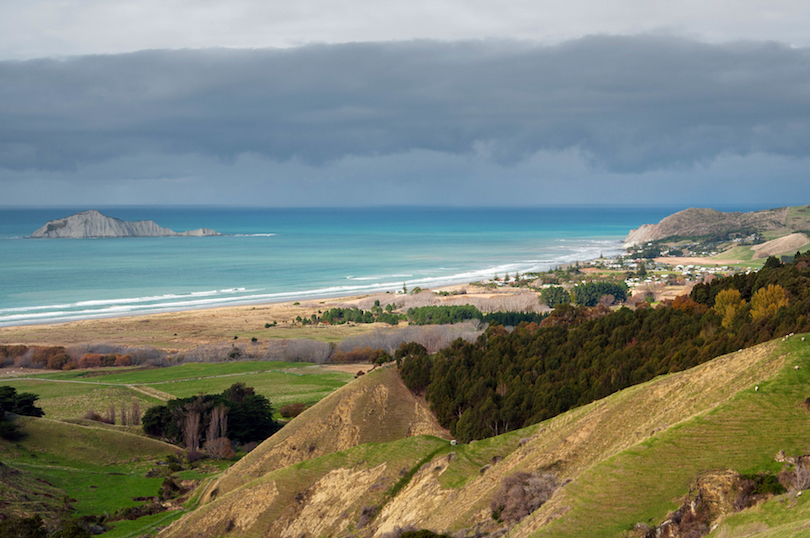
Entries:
{"x":270,"y":255}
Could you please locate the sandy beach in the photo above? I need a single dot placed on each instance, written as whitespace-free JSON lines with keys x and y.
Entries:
{"x":177,"y":331}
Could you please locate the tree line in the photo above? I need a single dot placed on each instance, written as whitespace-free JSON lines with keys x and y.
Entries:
{"x":507,"y":380}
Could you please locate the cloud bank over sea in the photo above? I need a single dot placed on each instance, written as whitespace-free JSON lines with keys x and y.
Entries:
{"x":610,"y":117}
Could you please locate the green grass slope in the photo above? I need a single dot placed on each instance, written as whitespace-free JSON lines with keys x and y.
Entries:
{"x":88,"y":470}
{"x":643,"y":482}
{"x":575,"y":443}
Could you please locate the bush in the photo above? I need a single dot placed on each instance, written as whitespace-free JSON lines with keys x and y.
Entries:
{"x":92,"y":415}
{"x":521,"y":494}
{"x":292,"y":410}
{"x":366,"y":515}
{"x":219,"y":449}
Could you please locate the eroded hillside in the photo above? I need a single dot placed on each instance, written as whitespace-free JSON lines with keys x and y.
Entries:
{"x":625,"y":459}
{"x":375,"y":408}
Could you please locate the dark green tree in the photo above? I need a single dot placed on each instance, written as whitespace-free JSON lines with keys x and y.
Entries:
{"x":555,"y":295}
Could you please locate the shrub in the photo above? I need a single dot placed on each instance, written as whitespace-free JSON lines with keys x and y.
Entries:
{"x":219,"y":448}
{"x":292,"y":410}
{"x":366,"y":515}
{"x":521,"y":494}
{"x":92,"y":415}
{"x":168,"y":489}
{"x":90,"y":360}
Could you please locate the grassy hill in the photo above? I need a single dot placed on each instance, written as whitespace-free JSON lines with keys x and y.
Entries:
{"x":375,"y":408}
{"x":626,"y":459}
{"x":84,"y":470}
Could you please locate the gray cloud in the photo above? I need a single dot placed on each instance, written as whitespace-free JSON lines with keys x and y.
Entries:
{"x":48,"y":28}
{"x":627,"y":104}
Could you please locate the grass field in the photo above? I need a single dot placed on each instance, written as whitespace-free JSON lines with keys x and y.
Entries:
{"x":69,"y":395}
{"x":798,"y":218}
{"x":99,"y":470}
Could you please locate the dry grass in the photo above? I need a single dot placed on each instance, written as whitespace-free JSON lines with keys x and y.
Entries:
{"x":375,"y":408}
{"x":182,"y":331}
{"x":631,"y":456}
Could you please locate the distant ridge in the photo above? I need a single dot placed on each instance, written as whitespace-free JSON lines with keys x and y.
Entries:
{"x":92,"y":224}
{"x":699,"y":222}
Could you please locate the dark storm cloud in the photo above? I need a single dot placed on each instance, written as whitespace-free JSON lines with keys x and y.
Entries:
{"x":628,"y":103}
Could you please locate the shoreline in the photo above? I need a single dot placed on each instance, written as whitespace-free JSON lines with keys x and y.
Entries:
{"x":184,"y":329}
{"x":99,"y":309}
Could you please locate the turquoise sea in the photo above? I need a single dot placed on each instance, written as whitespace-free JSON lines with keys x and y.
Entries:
{"x":269,"y":255}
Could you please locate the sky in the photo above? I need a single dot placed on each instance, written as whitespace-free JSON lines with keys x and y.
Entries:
{"x":363,"y":103}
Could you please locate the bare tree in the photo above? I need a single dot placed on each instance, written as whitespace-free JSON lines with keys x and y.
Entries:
{"x":218,"y":425}
{"x":135,"y":412}
{"x":109,"y":417}
{"x":192,"y":426}
{"x":123,"y":414}
{"x":191,"y":431}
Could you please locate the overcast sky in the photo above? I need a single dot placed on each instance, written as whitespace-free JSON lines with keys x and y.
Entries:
{"x":320,"y":103}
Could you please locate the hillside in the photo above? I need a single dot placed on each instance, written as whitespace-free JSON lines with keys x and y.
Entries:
{"x":92,"y":224}
{"x":790,"y":243}
{"x":701,"y":222}
{"x":375,"y":408}
{"x":626,"y":459}
{"x":98,"y":469}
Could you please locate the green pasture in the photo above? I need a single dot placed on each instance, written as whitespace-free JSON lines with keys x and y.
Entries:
{"x":96,"y":471}
{"x":798,"y":218}
{"x":69,"y":395}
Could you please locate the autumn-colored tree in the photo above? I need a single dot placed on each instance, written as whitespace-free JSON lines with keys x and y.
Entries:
{"x":687,"y":304}
{"x":766,"y":301}
{"x":728,"y":304}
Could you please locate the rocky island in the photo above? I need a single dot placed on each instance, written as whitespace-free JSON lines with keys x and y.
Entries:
{"x":92,"y":224}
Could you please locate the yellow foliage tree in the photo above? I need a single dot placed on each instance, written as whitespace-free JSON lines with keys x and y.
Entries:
{"x":766,"y":301}
{"x":727,"y":304}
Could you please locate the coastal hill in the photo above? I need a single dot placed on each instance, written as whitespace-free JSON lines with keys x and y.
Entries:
{"x":92,"y":224}
{"x":702,"y":222}
{"x":376,"y":408}
{"x":608,"y":456}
